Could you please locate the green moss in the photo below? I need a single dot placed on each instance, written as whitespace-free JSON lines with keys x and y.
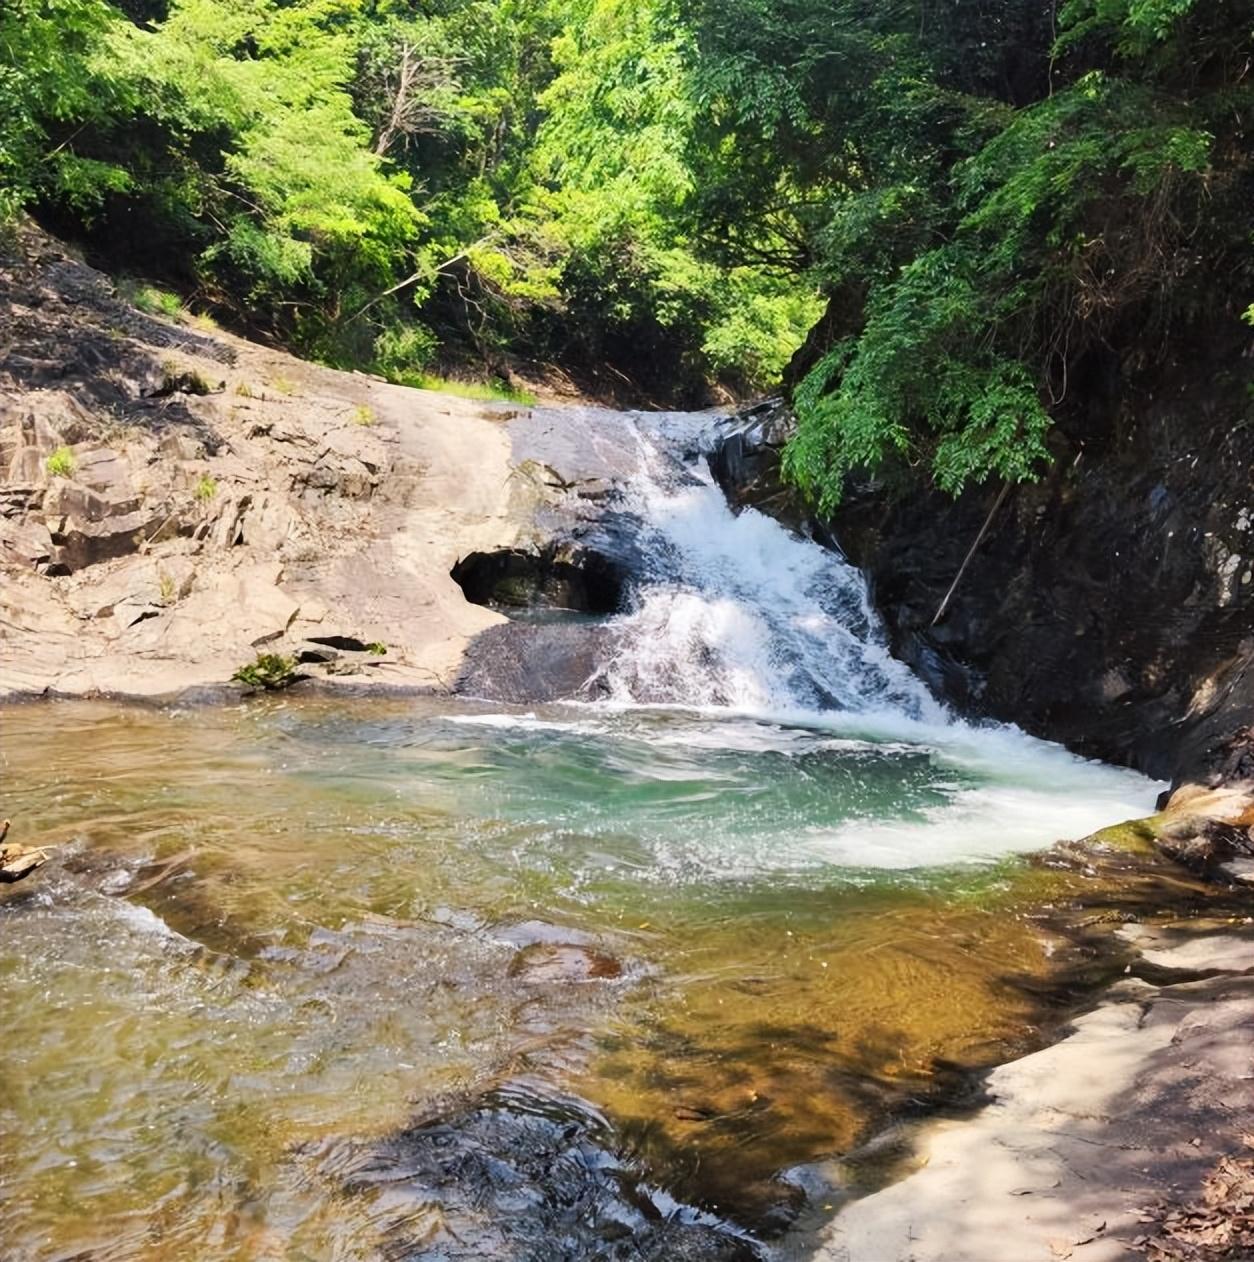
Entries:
{"x":1136,"y":836}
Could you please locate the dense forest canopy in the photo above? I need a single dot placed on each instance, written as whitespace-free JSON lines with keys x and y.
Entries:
{"x":963,"y":199}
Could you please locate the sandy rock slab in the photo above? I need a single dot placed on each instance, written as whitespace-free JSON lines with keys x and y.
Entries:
{"x":175,"y":501}
{"x":1089,"y":1143}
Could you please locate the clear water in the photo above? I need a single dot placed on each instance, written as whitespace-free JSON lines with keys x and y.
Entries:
{"x":741,"y":907}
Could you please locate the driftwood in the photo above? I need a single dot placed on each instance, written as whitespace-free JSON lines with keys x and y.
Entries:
{"x":17,"y":862}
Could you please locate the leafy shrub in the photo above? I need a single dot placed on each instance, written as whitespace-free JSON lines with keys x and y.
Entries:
{"x":270,"y":672}
{"x":403,"y":353}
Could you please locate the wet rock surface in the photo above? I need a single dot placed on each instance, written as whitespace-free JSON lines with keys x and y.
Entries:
{"x":746,"y":464}
{"x":1109,"y":606}
{"x":520,"y":663}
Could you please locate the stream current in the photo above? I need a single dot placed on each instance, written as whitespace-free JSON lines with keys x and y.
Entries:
{"x":446,"y":978}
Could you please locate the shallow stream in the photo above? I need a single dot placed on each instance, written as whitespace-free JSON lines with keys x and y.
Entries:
{"x":346,"y":979}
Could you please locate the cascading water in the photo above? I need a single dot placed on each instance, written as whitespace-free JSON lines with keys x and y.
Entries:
{"x":772,"y":641}
{"x":737,"y":612}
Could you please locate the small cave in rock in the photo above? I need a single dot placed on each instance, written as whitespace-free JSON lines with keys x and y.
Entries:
{"x":556,"y":577}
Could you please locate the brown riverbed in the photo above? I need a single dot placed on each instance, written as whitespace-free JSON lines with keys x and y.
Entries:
{"x":282,"y":947}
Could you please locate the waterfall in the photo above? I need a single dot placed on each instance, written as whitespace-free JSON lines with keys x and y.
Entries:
{"x":748,"y":655}
{"x":735,"y":611}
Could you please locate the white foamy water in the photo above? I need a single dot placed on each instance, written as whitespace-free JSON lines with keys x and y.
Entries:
{"x":739,"y":612}
{"x":738,"y":616}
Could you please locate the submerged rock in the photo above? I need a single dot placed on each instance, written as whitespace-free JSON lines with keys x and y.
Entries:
{"x":546,"y":962}
{"x":522,"y":1173}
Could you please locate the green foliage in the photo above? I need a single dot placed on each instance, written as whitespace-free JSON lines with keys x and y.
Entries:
{"x":61,"y":463}
{"x":206,"y":488}
{"x":50,"y":86}
{"x":153,"y":300}
{"x":403,"y":352}
{"x":982,"y":221}
{"x":614,"y":161}
{"x":270,"y":672}
{"x":977,"y":190}
{"x":373,"y":182}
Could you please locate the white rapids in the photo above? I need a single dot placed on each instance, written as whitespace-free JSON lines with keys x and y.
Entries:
{"x":739,"y":612}
{"x":738,"y":618}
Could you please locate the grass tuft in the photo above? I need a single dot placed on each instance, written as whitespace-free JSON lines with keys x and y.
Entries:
{"x":153,"y":300}
{"x":488,"y":391}
{"x":61,"y":464}
{"x":270,"y":672}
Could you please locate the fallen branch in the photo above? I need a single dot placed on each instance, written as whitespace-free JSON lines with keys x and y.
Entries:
{"x":17,"y":862}
{"x":962,"y":569}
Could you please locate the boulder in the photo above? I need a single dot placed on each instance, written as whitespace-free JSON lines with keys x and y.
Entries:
{"x":520,"y":663}
{"x":88,"y":527}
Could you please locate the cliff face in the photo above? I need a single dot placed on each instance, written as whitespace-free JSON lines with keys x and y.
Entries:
{"x":1109,"y":606}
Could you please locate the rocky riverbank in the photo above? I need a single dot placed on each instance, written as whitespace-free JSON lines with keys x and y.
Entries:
{"x":175,"y":500}
{"x":1109,"y":606}
{"x":1108,"y":1145}
{"x":1129,"y":1137}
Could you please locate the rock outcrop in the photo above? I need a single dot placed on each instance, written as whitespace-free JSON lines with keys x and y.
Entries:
{"x":1109,"y":606}
{"x":174,"y":500}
